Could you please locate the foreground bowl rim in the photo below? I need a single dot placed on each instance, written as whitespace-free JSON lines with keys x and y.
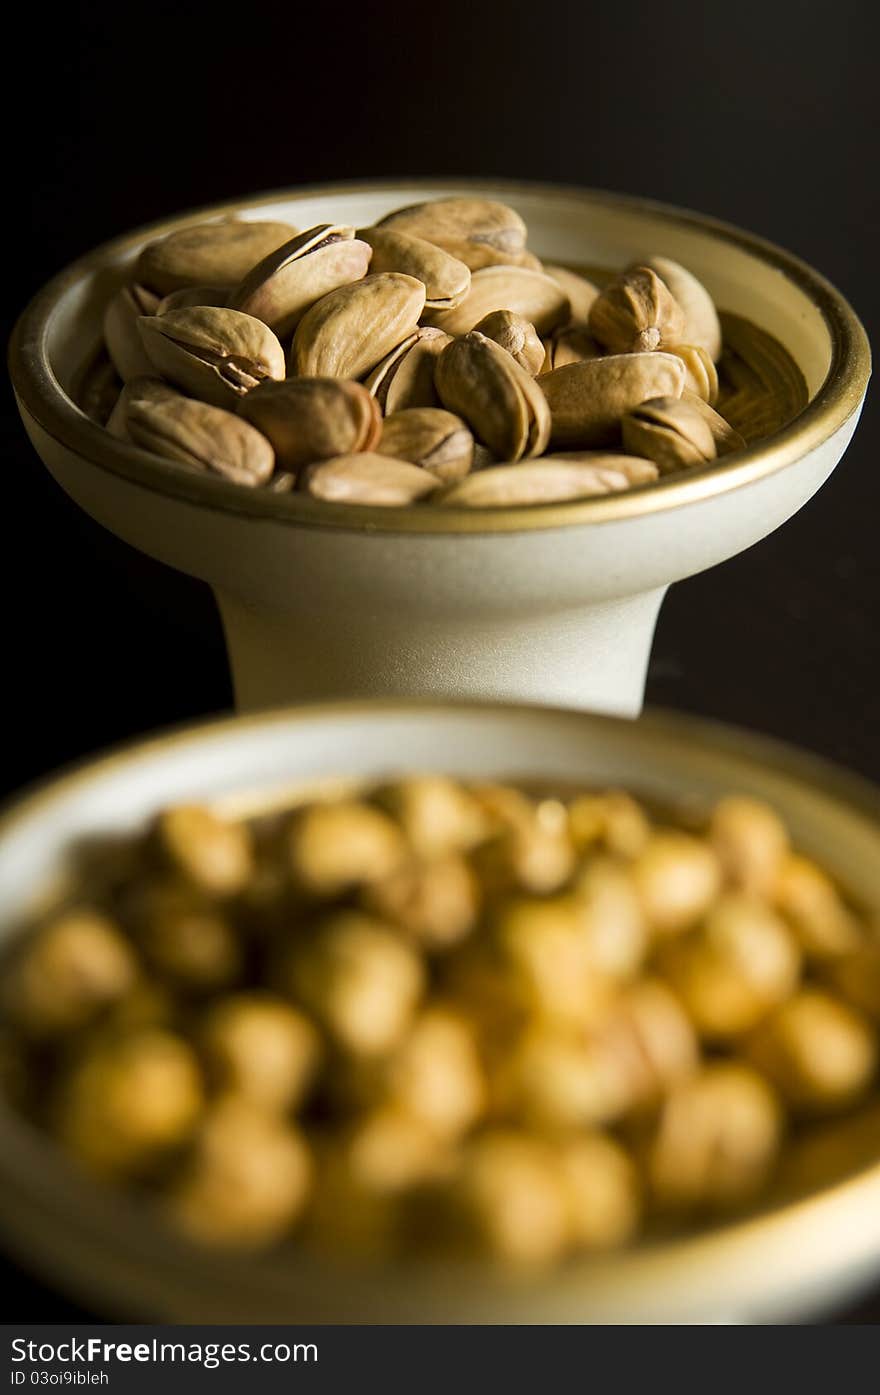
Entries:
{"x":42,"y":397}
{"x":789,"y":1233}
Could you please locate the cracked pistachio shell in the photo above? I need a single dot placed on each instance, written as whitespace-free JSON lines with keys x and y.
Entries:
{"x":367,"y":478}
{"x":192,"y":295}
{"x":309,"y":419}
{"x":500,"y":402}
{"x":196,"y":434}
{"x":147,"y":388}
{"x":121,"y":333}
{"x":207,"y":254}
{"x":636,"y":312}
{"x":349,"y":331}
{"x":437,"y":440}
{"x":405,"y":377}
{"x":517,"y":336}
{"x":588,"y":400}
{"x":214,"y":353}
{"x":670,"y":432}
{"x":581,"y":292}
{"x":478,"y":232}
{"x":702,"y":375}
{"x":281,"y":288}
{"x":447,"y":280}
{"x":635,"y":467}
{"x":571,"y":345}
{"x":530,"y":294}
{"x":544,"y":481}
{"x":726,"y":437}
{"x":701,"y":323}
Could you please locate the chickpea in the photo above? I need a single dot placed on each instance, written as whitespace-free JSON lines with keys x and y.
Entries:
{"x":187,"y":938}
{"x":213,"y":854}
{"x":856,"y":976}
{"x":438,"y":815}
{"x":811,"y":904}
{"x":129,"y":1101}
{"x":651,"y":1036}
{"x":602,"y":1192}
{"x":544,"y":946}
{"x":533,"y":850}
{"x":513,"y":1200}
{"x":731,"y":972}
{"x":611,"y":918}
{"x":614,"y":820}
{"x":360,"y":980}
{"x":819,"y":1053}
{"x":435,"y":902}
{"x":68,"y":972}
{"x":716,"y":1140}
{"x":559,"y":1080}
{"x":436,"y":1075}
{"x":247,"y":1180}
{"x":261,"y":1048}
{"x":751,"y":842}
{"x":391,"y":1151}
{"x":677,"y":878}
{"x":336,"y":846}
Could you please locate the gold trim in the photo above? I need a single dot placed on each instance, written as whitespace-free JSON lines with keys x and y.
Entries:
{"x":42,"y":397}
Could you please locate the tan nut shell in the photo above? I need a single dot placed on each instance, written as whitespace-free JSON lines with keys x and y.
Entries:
{"x":636,"y":312}
{"x":702,"y":325}
{"x":572,"y":344}
{"x":499,"y":401}
{"x":367,"y":478}
{"x":309,"y":419}
{"x":437,"y":440}
{"x":670,"y":432}
{"x":588,"y":400}
{"x":208,"y":438}
{"x":281,"y":288}
{"x":479,"y":232}
{"x":147,"y":388}
{"x":545,"y":481}
{"x":189,"y":296}
{"x":702,"y":375}
{"x":405,"y":377}
{"x":581,"y":292}
{"x":636,"y":469}
{"x":214,"y":353}
{"x":121,"y":333}
{"x":726,"y":438}
{"x":447,"y":280}
{"x":517,"y":336}
{"x":531,"y":294}
{"x":208,"y":254}
{"x":346,"y":333}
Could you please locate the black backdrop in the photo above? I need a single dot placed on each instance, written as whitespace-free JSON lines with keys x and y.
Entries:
{"x":760,"y":113}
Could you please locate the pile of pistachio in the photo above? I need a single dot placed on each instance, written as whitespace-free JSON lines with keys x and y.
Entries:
{"x":437,"y":1017}
{"x":432,"y":357}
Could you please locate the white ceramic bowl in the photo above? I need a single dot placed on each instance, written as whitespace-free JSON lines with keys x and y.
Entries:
{"x":816,"y":1241}
{"x":556,"y":603}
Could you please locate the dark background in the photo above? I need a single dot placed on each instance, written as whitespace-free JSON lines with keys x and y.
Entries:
{"x":763,"y":114}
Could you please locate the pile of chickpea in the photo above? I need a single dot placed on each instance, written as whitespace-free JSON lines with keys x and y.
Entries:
{"x":444,"y":1017}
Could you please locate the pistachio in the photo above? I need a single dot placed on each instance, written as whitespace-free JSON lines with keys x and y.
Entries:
{"x":308,"y":419}
{"x":588,"y":400}
{"x":544,"y":481}
{"x":405,"y":376}
{"x":701,"y":323}
{"x":216,"y":354}
{"x":121,"y":333}
{"x":581,"y":292}
{"x":145,"y":389}
{"x":427,"y":436}
{"x":208,"y":438}
{"x":498,"y":399}
{"x":634,"y":467}
{"x":367,"y":478}
{"x":515,"y":334}
{"x":536,"y":297}
{"x":207,"y":254}
{"x":282,"y":482}
{"x":479,"y":232}
{"x":447,"y":280}
{"x":723,"y":434}
{"x":669,"y":432}
{"x":349,"y":331}
{"x":189,"y":296}
{"x":636,"y":312}
{"x":571,"y":345}
{"x":702,"y":375}
{"x":281,"y":288}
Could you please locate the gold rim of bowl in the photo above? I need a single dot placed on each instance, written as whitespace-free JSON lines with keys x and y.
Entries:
{"x":840,"y":395}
